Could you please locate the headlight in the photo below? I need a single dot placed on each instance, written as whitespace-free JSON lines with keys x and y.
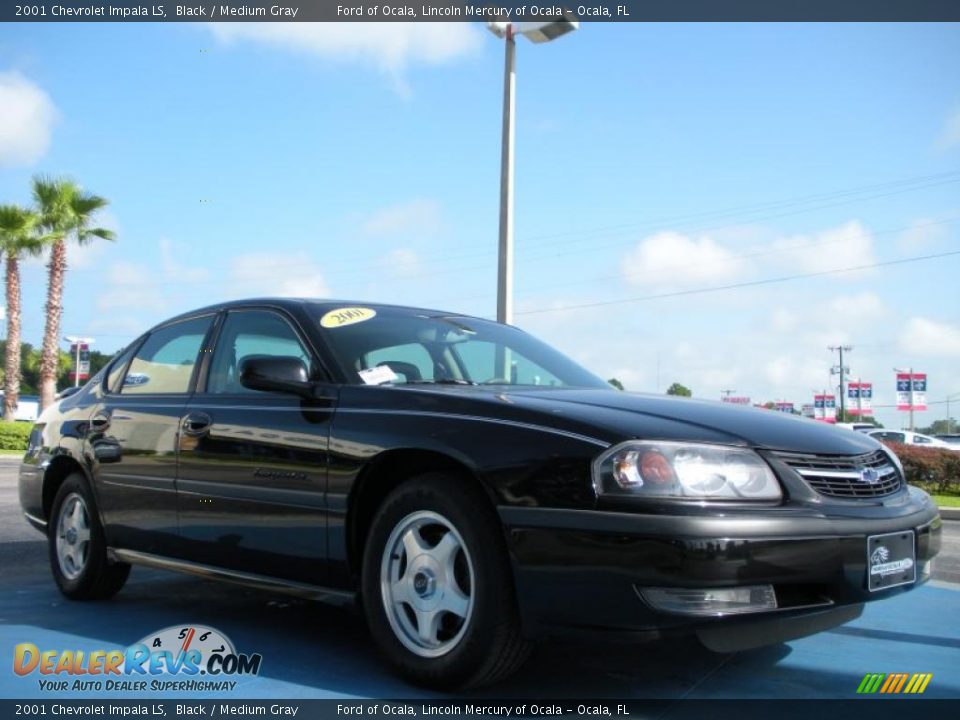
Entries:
{"x":685,"y":471}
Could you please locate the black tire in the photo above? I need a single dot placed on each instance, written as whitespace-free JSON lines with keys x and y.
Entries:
{"x":91,"y":576}
{"x":488,"y":645}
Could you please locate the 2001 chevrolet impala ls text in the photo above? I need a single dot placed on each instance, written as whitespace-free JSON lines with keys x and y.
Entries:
{"x":470,"y":486}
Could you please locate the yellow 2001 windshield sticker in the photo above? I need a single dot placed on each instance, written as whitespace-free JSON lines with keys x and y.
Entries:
{"x":346,"y":316}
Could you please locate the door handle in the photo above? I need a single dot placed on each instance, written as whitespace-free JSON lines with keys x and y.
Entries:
{"x":196,"y":424}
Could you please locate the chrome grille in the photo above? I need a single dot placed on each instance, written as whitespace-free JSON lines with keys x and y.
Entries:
{"x":843,"y":476}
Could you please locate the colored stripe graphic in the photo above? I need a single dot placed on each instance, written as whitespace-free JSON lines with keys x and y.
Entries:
{"x":870,"y":683}
{"x":894,"y":683}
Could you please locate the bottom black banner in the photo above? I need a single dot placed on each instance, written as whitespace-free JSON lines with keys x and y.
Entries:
{"x":874,"y":708}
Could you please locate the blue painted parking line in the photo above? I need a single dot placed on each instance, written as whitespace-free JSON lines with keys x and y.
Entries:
{"x":312,"y":651}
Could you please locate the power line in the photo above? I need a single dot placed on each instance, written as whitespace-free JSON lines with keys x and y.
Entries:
{"x":761,"y":253}
{"x":904,"y":185}
{"x":732,"y":286}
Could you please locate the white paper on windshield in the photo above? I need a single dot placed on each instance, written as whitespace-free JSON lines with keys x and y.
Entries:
{"x":377,"y":375}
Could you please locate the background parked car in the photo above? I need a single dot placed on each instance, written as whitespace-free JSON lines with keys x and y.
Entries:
{"x":858,"y":427}
{"x":28,"y":408}
{"x":950,"y":438}
{"x":905,"y":437}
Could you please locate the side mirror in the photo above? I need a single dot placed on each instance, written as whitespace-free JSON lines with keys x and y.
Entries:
{"x":276,"y":373}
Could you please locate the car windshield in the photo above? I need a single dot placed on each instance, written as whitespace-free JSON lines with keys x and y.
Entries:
{"x":393,"y":346}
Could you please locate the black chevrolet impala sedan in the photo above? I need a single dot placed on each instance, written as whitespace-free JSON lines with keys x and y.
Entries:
{"x":468,"y":486}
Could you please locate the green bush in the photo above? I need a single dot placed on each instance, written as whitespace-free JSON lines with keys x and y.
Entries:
{"x":14,"y":435}
{"x":934,"y":469}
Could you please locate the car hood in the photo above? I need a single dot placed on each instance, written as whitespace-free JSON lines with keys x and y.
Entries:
{"x":614,"y":415}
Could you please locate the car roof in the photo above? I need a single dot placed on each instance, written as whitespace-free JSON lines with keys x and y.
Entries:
{"x":318,"y":305}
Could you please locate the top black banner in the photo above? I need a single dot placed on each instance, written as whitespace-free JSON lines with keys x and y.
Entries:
{"x":496,"y":11}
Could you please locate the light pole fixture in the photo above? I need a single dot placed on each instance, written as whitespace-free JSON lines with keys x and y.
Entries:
{"x":77,"y":341}
{"x":537,"y":32}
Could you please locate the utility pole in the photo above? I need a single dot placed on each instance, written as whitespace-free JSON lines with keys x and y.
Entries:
{"x":841,"y":369}
{"x":911,"y":399}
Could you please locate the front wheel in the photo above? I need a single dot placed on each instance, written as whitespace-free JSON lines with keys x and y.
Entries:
{"x":78,"y":550}
{"x":437,"y":589}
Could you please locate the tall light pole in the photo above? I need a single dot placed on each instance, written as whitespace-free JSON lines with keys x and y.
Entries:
{"x":538,"y":32}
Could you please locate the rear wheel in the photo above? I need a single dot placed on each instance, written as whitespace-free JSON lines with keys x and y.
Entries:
{"x":77,"y":548}
{"x":437,"y":589}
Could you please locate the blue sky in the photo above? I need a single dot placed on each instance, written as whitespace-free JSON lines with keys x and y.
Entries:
{"x":362,"y":161}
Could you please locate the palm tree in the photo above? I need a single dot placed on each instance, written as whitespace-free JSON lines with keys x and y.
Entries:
{"x":17,"y":236}
{"x":65,"y":212}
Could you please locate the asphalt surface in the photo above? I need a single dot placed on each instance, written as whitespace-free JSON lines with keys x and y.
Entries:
{"x":315,"y":651}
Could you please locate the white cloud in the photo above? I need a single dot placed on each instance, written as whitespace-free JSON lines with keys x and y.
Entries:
{"x":403,"y":262}
{"x":779,"y":370}
{"x":419,"y":217}
{"x":922,"y":235}
{"x":670,"y":259}
{"x":950,"y":135}
{"x":784,"y":320}
{"x":25,"y":122}
{"x":390,"y":47}
{"x":173,"y":269}
{"x":130,"y":286}
{"x":290,"y":275}
{"x":922,"y":336}
{"x":845,"y":246}
{"x":854,"y":310}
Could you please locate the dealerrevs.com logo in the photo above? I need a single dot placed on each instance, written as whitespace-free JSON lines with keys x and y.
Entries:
{"x":181,"y":658}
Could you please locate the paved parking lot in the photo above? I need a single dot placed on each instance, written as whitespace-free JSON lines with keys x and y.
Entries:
{"x":313,"y":651}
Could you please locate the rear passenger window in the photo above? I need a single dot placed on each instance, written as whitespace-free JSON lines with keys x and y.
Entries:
{"x":165,"y":362}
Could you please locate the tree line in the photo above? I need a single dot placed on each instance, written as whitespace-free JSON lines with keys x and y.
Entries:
{"x":61,"y":212}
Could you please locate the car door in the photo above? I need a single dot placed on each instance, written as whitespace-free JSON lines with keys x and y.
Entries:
{"x":133,"y":436}
{"x":252,"y":470}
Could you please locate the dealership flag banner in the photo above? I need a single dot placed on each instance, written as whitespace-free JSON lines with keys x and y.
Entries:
{"x":825,"y":408}
{"x":83,"y":368}
{"x":860,"y":398}
{"x":919,"y":382}
{"x":784,"y":407}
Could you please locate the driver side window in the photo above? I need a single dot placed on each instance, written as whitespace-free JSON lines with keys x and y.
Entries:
{"x":247,"y":333}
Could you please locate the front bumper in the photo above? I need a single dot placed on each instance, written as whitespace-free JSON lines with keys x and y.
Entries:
{"x":580,"y":571}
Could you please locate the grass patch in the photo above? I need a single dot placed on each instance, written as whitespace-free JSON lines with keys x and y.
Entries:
{"x":947,"y":500}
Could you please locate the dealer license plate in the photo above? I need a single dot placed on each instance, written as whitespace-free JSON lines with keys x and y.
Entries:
{"x":891,"y":560}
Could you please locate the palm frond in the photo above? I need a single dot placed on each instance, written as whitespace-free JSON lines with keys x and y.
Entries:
{"x":85,"y":235}
{"x":18,"y":227}
{"x":85,"y":204}
{"x":54,"y":198}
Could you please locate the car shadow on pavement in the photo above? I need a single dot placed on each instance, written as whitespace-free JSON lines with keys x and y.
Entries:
{"x":313,"y":650}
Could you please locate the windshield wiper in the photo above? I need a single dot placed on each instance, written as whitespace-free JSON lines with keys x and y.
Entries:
{"x":439,"y":381}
